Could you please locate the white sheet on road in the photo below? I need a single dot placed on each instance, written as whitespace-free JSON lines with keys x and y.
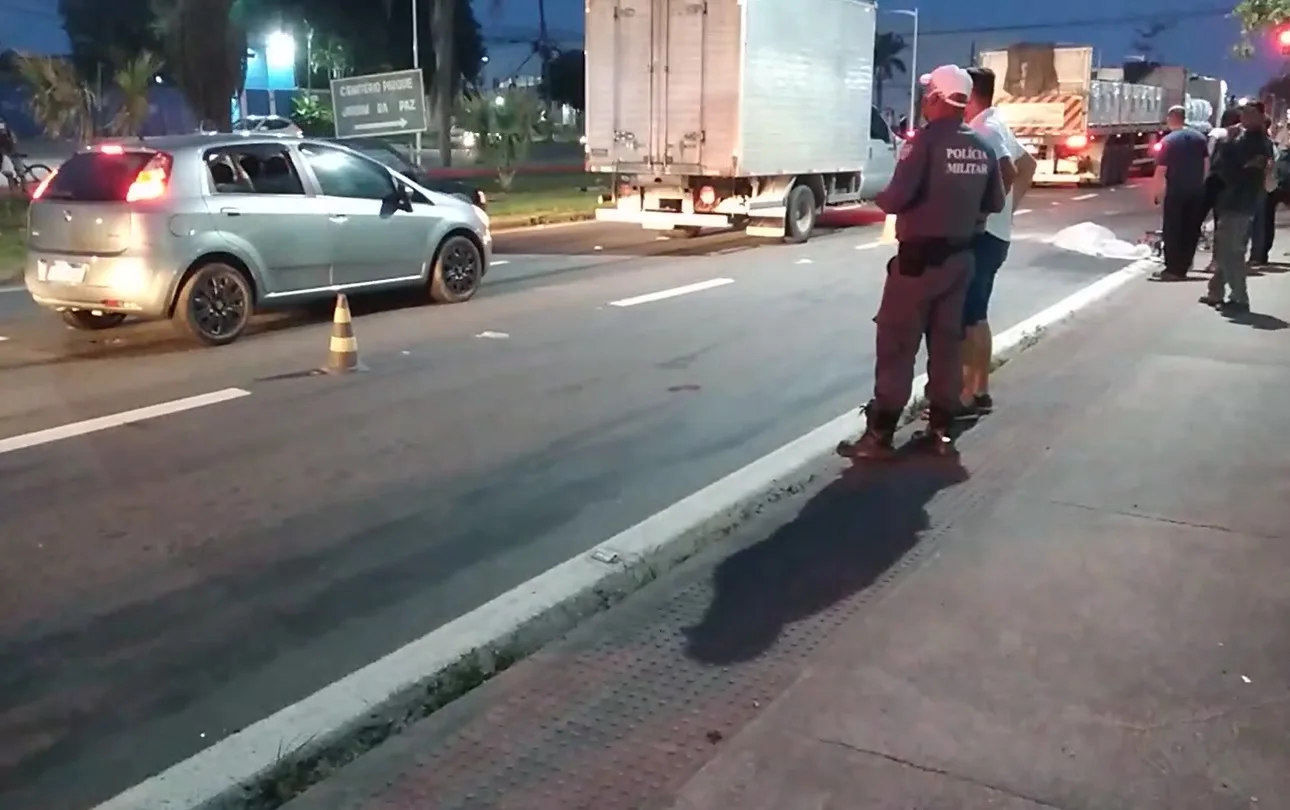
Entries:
{"x":1092,"y":239}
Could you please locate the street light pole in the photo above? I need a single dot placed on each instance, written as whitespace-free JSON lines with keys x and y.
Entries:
{"x":913,"y":75}
{"x":416,"y":65}
{"x":913,"y":66}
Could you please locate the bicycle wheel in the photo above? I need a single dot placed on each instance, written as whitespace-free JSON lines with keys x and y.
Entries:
{"x":33,"y":174}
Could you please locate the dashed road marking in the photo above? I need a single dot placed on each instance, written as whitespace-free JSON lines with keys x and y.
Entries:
{"x":1021,"y":211}
{"x":672,"y":292}
{"x":1082,"y":197}
{"x":87,"y":426}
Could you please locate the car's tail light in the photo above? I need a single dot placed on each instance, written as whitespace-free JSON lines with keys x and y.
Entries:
{"x":1077,"y":142}
{"x":151,"y":181}
{"x":44,"y":184}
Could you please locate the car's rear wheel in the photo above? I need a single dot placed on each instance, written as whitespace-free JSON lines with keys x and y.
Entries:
{"x":214,"y":305}
{"x":458,"y":271}
{"x":91,"y":321}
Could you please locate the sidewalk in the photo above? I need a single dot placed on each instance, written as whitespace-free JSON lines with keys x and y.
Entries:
{"x":1090,"y":613}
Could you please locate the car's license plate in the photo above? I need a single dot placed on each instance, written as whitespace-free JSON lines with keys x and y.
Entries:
{"x":65,"y":273}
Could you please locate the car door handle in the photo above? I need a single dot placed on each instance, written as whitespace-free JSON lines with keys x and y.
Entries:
{"x":230,"y":212}
{"x":338,"y":218}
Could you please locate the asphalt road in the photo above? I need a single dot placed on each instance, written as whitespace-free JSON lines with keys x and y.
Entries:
{"x":169,"y":581}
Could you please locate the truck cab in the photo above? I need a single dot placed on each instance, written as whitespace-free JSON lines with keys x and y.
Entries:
{"x":884,"y":149}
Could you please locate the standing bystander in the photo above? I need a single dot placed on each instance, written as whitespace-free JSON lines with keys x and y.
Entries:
{"x":945,"y":182}
{"x":990,"y":246}
{"x":1241,"y":161}
{"x":1179,"y":187}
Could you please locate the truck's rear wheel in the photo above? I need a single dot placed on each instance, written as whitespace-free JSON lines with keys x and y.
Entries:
{"x":799,"y":221}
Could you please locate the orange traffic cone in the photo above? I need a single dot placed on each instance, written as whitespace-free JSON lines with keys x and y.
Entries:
{"x":342,"y":356}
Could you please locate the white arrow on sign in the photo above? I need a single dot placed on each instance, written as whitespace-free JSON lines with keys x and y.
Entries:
{"x":402,"y":122}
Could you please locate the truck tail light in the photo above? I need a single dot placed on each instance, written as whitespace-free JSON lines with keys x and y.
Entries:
{"x":1077,"y":142}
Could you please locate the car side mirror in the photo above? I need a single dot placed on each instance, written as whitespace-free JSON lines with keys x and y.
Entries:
{"x":401,"y":197}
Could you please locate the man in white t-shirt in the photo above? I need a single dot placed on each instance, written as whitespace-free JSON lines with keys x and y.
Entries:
{"x":991,"y":244}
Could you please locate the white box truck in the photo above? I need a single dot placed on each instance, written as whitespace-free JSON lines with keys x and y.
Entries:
{"x":751,"y":114}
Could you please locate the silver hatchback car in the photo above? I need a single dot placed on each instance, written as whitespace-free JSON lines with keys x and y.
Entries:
{"x":207,"y":229}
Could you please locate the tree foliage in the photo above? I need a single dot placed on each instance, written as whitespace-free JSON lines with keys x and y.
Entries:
{"x":565,"y":81}
{"x":105,"y":35}
{"x":887,"y":62}
{"x":1258,"y":18}
{"x":132,"y":83}
{"x":504,"y":125}
{"x":60,"y":101}
{"x":205,"y":42}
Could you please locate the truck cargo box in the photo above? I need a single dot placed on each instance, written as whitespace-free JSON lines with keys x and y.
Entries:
{"x":1050,"y":90}
{"x":1172,"y":79}
{"x":728,"y":87}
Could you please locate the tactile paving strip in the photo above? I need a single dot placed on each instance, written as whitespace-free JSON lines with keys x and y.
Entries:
{"x":620,"y":713}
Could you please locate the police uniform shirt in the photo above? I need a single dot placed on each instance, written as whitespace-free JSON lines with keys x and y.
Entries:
{"x":946,"y":182}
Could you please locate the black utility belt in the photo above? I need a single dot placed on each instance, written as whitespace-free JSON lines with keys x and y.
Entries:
{"x":914,"y":257}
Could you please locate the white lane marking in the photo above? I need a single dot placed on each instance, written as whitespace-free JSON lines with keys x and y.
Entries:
{"x":1055,"y":203}
{"x":1082,"y":197}
{"x":496,"y":262}
{"x":673,"y":292}
{"x":73,"y":429}
{"x":1021,"y":211}
{"x":492,"y":335}
{"x":869,"y":246}
{"x":3,"y":338}
{"x":804,"y":261}
{"x":9,"y":290}
{"x":240,"y":758}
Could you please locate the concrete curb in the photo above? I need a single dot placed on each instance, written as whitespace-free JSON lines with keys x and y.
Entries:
{"x":278,"y":757}
{"x":521,"y":222}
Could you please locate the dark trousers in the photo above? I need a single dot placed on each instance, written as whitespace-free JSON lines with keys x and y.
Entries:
{"x":1183,"y":214}
{"x":1265,"y":228}
{"x":914,"y":307}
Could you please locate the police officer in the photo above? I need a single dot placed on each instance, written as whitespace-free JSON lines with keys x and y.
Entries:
{"x":946,"y":182}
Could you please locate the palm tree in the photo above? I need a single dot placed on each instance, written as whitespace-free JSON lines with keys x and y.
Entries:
{"x":206,"y":45}
{"x":60,"y":102}
{"x":134,"y":82}
{"x":887,"y":62}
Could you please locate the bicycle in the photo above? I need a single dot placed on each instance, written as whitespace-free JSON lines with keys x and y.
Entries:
{"x":23,"y":176}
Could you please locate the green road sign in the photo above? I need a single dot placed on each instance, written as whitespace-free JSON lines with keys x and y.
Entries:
{"x":379,"y":104}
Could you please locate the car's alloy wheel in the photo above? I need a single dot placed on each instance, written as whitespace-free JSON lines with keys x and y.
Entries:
{"x":215,"y":304}
{"x":458,"y":271}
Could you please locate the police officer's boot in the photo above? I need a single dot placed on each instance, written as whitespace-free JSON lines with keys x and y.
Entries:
{"x":938,"y":437}
{"x":875,"y":444}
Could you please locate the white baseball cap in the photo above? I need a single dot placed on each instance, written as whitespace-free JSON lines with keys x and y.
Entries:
{"x":950,"y":82}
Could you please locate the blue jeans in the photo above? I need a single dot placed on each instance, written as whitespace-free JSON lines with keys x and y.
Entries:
{"x":989,"y":252}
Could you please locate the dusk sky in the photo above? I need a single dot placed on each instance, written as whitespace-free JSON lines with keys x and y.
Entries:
{"x":1201,"y":37}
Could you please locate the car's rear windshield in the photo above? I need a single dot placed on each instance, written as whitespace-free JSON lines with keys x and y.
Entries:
{"x":96,"y":176}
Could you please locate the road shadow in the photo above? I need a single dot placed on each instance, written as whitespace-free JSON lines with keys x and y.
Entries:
{"x":1257,"y":320}
{"x":626,"y":240}
{"x":842,"y":542}
{"x":137,"y":338}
